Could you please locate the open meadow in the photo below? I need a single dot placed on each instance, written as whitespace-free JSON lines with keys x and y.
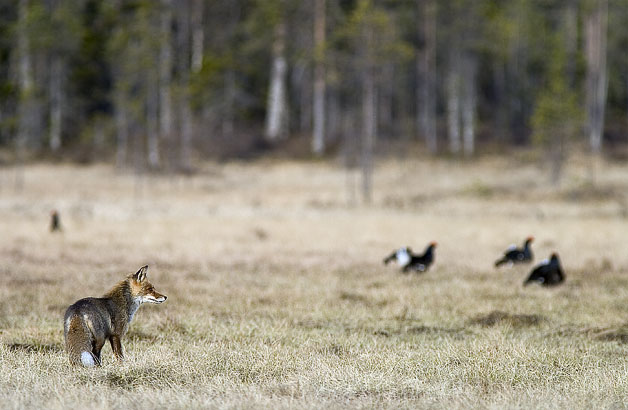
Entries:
{"x":278,"y":298}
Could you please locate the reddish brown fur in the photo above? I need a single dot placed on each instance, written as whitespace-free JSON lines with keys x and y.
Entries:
{"x":90,"y":322}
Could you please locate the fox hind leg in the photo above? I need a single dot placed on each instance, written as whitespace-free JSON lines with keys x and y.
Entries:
{"x":78,"y":343}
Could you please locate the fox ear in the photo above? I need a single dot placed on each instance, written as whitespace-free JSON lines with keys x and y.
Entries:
{"x":140,"y":275}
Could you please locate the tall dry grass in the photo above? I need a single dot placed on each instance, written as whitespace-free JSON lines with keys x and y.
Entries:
{"x":278,"y":297}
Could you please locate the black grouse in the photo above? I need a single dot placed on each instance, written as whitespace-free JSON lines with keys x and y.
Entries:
{"x":517,"y":255}
{"x":409,"y":261}
{"x":547,"y":273}
{"x":55,"y":221}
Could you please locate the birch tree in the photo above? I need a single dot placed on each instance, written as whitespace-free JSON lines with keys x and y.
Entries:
{"x":229,"y":81}
{"x":122,"y":126}
{"x":26,"y":111}
{"x":426,"y":73}
{"x":56,"y":90}
{"x":369,"y":112}
{"x":453,"y":96}
{"x":277,"y":104}
{"x":64,"y":30}
{"x":596,"y":81}
{"x":165,"y":75}
{"x":461,"y":78}
{"x":184,"y":67}
{"x":318,"y":137}
{"x":469,"y":102}
{"x":56,"y":102}
{"x":198,"y":35}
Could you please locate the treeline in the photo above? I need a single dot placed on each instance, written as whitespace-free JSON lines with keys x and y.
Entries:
{"x":160,"y":83}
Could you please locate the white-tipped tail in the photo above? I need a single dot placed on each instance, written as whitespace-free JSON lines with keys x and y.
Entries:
{"x":88,"y":359}
{"x":402,"y":257}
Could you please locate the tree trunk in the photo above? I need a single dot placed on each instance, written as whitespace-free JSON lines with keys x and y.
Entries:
{"x":56,"y":102}
{"x":26,"y":69}
{"x":228,"y":115}
{"x":369,"y":113}
{"x":571,"y":41}
{"x":165,"y":76}
{"x":122,"y":129}
{"x":138,"y":162}
{"x":230,"y":85}
{"x":469,"y":104}
{"x":276,"y":111}
{"x":557,"y":157}
{"x":426,"y":73}
{"x":198,"y":36}
{"x":186,"y":134}
{"x":152,"y":122}
{"x":517,"y":85}
{"x":98,"y":135}
{"x":369,"y":122}
{"x":333,"y":117}
{"x":185,"y":111}
{"x":386,"y":101}
{"x":318,"y":137}
{"x":348,"y":129}
{"x":453,"y":104}
{"x":501,"y":108}
{"x":597,"y":81}
{"x":27,"y":106}
{"x":302,"y":84}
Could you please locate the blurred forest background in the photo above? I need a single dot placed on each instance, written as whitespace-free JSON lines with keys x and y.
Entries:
{"x":158,"y":85}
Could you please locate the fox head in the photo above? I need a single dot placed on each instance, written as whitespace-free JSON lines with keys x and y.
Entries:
{"x":142,"y":289}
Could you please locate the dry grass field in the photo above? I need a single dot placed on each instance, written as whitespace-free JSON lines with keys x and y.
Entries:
{"x":278,"y":298}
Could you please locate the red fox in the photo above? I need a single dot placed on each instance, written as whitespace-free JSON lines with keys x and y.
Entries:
{"x":90,"y":322}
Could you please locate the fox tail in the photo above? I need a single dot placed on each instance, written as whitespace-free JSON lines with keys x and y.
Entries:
{"x":78,"y":344}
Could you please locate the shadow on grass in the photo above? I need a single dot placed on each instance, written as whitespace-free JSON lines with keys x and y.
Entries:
{"x":497,"y":317}
{"x":613,"y":335}
{"x":354,"y":297}
{"x":605,"y":334}
{"x":436,"y":330}
{"x":35,"y":347}
{"x":138,"y":335}
{"x":361,"y":299}
{"x":138,"y":377}
{"x":456,"y":333}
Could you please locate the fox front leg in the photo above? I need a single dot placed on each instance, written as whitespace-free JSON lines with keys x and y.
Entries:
{"x":116,"y":346}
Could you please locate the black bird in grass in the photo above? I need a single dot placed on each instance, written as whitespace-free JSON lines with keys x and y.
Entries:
{"x":410,"y":261}
{"x":55,"y":221}
{"x":547,"y":273}
{"x":517,"y":255}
